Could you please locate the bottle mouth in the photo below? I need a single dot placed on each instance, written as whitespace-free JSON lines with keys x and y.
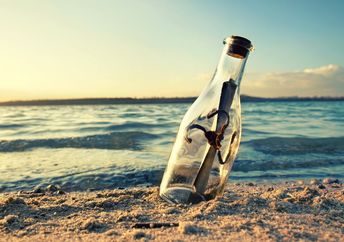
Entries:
{"x":238,"y":47}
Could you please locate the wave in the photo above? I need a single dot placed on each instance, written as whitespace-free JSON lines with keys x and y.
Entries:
{"x":139,"y":125}
{"x":252,"y":165}
{"x":253,"y":131}
{"x":99,"y":179}
{"x":83,"y":181}
{"x":11,"y":126}
{"x":298,"y":145}
{"x":115,"y":140}
{"x":290,"y":176}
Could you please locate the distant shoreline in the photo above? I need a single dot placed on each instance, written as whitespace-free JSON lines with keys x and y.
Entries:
{"x":109,"y":101}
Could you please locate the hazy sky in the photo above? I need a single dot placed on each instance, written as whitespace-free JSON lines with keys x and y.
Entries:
{"x":147,"y":48}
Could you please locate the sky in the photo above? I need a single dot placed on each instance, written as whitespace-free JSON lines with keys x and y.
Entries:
{"x":159,"y":48}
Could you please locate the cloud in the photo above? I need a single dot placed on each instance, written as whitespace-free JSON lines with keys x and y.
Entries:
{"x":322,"y":81}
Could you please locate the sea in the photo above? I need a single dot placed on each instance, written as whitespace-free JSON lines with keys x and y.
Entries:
{"x":90,"y":147}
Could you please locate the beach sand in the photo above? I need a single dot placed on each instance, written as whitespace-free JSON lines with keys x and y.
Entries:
{"x":247,"y":212}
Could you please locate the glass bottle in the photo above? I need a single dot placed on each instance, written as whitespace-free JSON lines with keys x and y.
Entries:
{"x":209,"y":134}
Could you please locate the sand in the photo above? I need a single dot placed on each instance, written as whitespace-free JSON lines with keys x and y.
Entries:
{"x":310,"y":211}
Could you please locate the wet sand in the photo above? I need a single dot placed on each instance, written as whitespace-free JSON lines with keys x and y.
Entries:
{"x":311,"y":211}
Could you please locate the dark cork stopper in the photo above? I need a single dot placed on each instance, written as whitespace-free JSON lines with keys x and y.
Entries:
{"x":238,"y":46}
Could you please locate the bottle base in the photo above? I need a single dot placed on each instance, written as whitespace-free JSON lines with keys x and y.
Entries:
{"x":181,"y":194}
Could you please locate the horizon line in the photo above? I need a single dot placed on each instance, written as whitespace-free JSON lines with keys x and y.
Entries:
{"x":146,"y":100}
{"x":157,"y":97}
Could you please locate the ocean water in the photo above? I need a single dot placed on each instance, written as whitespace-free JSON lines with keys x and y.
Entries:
{"x":111,"y":146}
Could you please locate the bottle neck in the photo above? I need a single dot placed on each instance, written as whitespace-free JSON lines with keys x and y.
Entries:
{"x":229,"y":67}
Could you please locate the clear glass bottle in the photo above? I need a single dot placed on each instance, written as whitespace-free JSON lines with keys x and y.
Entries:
{"x":209,"y":134}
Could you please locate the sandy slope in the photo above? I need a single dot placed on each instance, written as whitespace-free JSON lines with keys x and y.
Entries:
{"x":247,"y":212}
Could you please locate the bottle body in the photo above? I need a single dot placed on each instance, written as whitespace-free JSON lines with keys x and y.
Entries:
{"x":208,"y":138}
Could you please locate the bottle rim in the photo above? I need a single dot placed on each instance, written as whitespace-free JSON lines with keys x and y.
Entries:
{"x":239,"y":41}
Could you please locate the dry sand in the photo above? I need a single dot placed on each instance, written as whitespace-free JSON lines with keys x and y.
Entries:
{"x":247,"y":212}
